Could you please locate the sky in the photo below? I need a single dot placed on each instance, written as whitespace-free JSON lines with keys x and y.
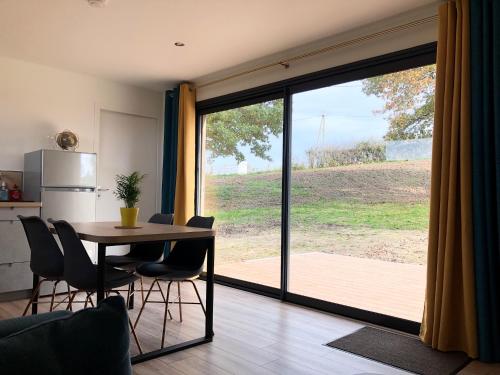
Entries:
{"x":350,"y":117}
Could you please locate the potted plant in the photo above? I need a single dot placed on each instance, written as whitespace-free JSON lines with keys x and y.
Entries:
{"x":128,"y":190}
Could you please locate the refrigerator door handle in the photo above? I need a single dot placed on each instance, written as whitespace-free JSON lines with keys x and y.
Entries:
{"x":73,"y":189}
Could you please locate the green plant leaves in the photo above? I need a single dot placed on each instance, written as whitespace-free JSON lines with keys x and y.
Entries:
{"x":128,"y":188}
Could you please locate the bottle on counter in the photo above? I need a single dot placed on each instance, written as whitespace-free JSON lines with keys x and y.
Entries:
{"x":15,"y":194}
{"x":4,"y":192}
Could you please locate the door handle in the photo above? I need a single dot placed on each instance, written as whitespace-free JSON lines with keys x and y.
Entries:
{"x":100,"y":190}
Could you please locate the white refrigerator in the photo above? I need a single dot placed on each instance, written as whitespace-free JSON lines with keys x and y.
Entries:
{"x":65,"y":183}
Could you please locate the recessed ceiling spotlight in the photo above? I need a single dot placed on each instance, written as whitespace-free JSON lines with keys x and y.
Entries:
{"x":179,"y":44}
{"x":97,"y":3}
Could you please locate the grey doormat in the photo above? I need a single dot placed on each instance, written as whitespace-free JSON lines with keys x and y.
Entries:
{"x":404,"y":352}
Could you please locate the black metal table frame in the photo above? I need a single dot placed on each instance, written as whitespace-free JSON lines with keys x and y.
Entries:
{"x":209,"y":301}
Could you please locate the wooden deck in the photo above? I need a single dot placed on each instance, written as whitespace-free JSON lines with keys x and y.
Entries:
{"x":389,"y":288}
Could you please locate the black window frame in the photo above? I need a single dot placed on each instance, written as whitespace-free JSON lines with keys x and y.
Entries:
{"x":388,"y":63}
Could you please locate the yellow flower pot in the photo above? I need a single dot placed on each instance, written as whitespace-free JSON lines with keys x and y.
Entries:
{"x":129,"y":216}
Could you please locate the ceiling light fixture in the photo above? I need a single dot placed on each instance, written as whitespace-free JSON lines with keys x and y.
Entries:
{"x":97,"y":3}
{"x":179,"y":44}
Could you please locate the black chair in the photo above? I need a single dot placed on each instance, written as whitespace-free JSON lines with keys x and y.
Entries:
{"x":46,"y":261}
{"x":183,"y":264}
{"x":142,"y":252}
{"x":81,"y":273}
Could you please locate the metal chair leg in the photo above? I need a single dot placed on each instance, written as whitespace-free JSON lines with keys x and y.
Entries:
{"x":70,"y":304}
{"x":90,"y":299}
{"x":180,"y":301}
{"x":135,"y":336}
{"x":165,"y":316}
{"x":144,"y":304}
{"x":198,"y":295}
{"x":163,"y":296}
{"x":53,"y":295}
{"x":69,"y":307}
{"x":142,"y":289}
{"x":33,"y":295}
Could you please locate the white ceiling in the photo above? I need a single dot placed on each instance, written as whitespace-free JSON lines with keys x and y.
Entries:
{"x":132,"y":41}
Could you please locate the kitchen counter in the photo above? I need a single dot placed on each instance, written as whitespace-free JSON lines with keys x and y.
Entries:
{"x":20,"y":204}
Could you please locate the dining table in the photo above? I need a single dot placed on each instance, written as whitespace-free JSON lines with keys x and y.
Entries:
{"x":108,"y":234}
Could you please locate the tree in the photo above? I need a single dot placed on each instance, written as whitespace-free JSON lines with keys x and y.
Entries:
{"x":250,"y":126}
{"x":409,"y":101}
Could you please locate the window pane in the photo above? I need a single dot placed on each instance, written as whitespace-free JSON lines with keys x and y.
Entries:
{"x":361,"y":154}
{"x":242,"y":160}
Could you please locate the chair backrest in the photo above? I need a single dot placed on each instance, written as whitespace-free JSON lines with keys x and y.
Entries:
{"x":46,"y":257}
{"x":79,"y":271}
{"x":190,"y":254}
{"x":151,"y":252}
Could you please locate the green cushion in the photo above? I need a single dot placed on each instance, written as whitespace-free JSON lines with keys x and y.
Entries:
{"x":10,"y":326}
{"x":90,"y":341}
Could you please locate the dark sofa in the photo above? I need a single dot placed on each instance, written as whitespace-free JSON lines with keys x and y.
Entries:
{"x":90,"y":341}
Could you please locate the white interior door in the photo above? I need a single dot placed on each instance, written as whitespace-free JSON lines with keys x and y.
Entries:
{"x":127,"y":143}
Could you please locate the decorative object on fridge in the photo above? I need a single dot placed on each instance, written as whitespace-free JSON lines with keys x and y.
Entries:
{"x":128,"y":190}
{"x":67,"y":140}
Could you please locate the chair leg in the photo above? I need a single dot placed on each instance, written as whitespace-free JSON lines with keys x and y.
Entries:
{"x":53,"y":295}
{"x":144,"y":304}
{"x":180,"y":301}
{"x":90,"y":299}
{"x":163,"y":296}
{"x":142,"y":289}
{"x":165,"y":316}
{"x":198,"y":295}
{"x":135,"y":336}
{"x":33,"y":295}
{"x":69,"y":307}
{"x":70,"y":304}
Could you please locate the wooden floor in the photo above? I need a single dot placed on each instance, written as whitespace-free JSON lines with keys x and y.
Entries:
{"x":253,"y":335}
{"x":390,"y":288}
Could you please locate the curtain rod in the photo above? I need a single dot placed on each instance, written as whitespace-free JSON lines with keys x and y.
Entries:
{"x":286,"y":62}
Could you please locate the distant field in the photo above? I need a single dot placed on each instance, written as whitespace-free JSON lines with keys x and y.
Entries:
{"x":377,"y":195}
{"x":363,"y":207}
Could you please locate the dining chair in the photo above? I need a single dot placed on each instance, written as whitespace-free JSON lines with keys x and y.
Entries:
{"x":81,"y":273}
{"x":142,"y":252}
{"x":183,"y":264}
{"x":46,"y":259}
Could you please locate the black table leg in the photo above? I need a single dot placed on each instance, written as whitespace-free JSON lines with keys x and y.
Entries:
{"x":209,"y":321}
{"x":101,"y":268}
{"x":34,"y":304}
{"x":209,"y":331}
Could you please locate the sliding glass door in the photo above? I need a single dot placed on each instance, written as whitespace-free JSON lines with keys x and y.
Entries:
{"x":320,"y":187}
{"x":361,"y":161}
{"x":241,"y":185}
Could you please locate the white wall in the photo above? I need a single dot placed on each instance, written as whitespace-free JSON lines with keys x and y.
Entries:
{"x":404,"y":39}
{"x":37,"y":102}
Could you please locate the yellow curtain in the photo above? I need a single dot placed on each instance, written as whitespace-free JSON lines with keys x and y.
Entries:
{"x":449,"y":321}
{"x":185,"y":180}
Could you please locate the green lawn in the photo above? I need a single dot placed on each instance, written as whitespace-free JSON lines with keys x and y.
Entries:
{"x":410,"y":216}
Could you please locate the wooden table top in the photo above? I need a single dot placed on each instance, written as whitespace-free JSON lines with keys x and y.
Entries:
{"x":106,"y":233}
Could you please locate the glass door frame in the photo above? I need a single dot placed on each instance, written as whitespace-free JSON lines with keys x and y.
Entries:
{"x":389,"y":63}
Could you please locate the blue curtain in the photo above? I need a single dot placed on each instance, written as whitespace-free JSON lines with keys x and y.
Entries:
{"x":170,"y":136}
{"x":485,"y":122}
